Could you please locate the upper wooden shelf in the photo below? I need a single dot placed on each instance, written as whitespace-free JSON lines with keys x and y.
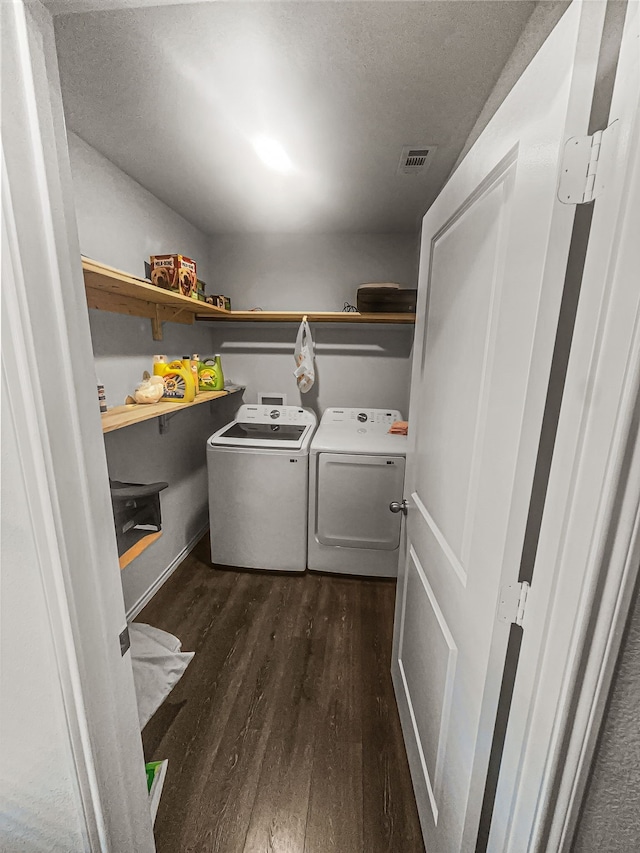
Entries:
{"x":109,"y":289}
{"x":134,"y":413}
{"x":312,"y":317}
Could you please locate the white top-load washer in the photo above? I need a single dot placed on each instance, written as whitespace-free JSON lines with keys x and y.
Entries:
{"x":356,"y":469}
{"x":258,"y":488}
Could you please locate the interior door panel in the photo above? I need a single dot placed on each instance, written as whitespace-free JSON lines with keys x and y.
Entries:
{"x":494,"y":252}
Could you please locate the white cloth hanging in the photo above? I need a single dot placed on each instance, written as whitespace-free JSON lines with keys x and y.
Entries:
{"x":158,"y":664}
{"x":305,"y":371}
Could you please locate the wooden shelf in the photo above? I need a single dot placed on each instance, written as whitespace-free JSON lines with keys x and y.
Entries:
{"x":109,"y":289}
{"x":124,"y":416}
{"x":312,"y":317}
{"x":137,"y":549}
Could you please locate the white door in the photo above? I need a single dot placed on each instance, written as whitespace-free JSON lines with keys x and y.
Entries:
{"x":494,"y":253}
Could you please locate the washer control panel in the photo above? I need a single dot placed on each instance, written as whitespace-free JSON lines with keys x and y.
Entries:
{"x":275,"y":415}
{"x":373,"y":420}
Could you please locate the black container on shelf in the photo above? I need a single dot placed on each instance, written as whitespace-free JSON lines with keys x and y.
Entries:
{"x":387,"y":298}
{"x":136,"y":511}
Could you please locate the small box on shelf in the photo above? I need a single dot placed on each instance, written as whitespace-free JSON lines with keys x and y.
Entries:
{"x":174,"y":272}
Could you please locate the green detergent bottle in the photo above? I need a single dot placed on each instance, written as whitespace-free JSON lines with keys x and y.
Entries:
{"x":210,"y":375}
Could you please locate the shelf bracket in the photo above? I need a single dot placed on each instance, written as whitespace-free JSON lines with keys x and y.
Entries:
{"x":156,"y":325}
{"x":163,"y":314}
{"x":163,"y":422}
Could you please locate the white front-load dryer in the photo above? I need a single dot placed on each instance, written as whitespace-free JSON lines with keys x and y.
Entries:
{"x":356,"y":469}
{"x":258,"y":488}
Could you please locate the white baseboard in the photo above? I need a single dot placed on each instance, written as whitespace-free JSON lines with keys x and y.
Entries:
{"x":146,"y":597}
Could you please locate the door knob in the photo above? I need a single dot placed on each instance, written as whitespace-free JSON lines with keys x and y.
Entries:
{"x":394,"y":506}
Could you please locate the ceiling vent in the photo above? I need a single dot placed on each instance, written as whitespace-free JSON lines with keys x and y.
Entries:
{"x":415,"y":160}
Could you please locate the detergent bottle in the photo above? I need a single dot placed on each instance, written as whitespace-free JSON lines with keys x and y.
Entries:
{"x":195,"y":363}
{"x":159,"y":365}
{"x":186,"y":363}
{"x":219,"y":373}
{"x":178,"y":383}
{"x":210,"y":374}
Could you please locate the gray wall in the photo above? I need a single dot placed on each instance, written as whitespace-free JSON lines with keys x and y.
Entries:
{"x":356,"y":365}
{"x":121,"y":224}
{"x":610,"y":817}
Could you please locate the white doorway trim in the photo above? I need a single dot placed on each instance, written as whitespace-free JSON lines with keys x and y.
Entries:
{"x":587,"y":559}
{"x":20,"y":406}
{"x":47,"y":360}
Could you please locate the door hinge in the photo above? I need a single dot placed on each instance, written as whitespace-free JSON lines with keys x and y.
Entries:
{"x":513,"y":601}
{"x":125,"y":641}
{"x":586,"y":166}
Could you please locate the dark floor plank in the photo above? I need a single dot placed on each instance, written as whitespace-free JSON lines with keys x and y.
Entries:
{"x":279,"y":817}
{"x":218,"y":817}
{"x":283,"y":735}
{"x":337,"y":765}
{"x":391,"y":822}
{"x":223,"y":668}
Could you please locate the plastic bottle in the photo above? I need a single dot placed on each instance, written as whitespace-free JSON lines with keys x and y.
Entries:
{"x":210,"y":374}
{"x":178,"y":383}
{"x":159,"y":364}
{"x":219,"y":374}
{"x":102,"y":399}
{"x":186,"y":363}
{"x":195,"y":364}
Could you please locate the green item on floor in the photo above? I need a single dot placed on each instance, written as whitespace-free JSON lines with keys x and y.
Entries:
{"x":152,"y":768}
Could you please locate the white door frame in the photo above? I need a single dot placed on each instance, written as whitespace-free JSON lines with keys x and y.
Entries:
{"x":64,"y":451}
{"x":589,"y":547}
{"x":48,"y":363}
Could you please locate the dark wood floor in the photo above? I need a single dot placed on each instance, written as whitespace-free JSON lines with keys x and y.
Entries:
{"x":283,"y":734}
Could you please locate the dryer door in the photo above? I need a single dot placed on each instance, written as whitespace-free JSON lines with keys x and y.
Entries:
{"x":354,"y":493}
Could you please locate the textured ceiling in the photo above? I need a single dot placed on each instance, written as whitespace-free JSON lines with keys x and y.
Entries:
{"x":174,"y":96}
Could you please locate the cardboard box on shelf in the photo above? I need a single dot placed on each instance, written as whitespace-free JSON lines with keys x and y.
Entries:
{"x":174,"y":272}
{"x":220,"y":302}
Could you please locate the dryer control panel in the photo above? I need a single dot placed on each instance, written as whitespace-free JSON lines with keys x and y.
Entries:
{"x":274,"y":415}
{"x":353,"y":419}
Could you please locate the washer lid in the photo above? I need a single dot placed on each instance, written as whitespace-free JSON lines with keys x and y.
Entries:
{"x":281,"y":427}
{"x":262,"y":432}
{"x":359,"y":431}
{"x":338,"y":441}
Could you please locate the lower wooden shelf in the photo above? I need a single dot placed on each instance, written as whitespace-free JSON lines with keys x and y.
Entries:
{"x":137,"y":549}
{"x":124,"y":416}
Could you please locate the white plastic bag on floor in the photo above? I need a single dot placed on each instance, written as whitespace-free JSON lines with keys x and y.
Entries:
{"x":158,"y":664}
{"x":305,"y":371}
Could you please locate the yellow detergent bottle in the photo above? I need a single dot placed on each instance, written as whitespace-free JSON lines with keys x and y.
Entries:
{"x":159,"y":365}
{"x":178,"y":383}
{"x":210,"y":374}
{"x":186,"y":363}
